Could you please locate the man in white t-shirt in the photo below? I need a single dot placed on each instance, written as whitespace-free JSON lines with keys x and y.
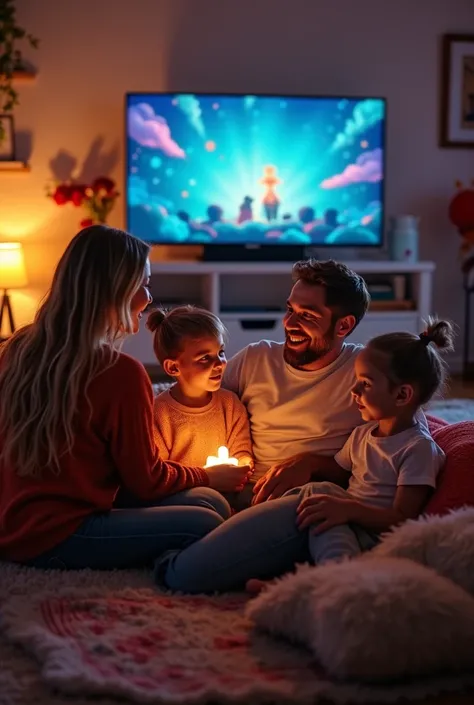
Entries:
{"x":298,"y":393}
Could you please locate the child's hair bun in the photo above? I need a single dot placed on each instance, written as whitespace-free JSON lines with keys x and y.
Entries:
{"x":155,"y":319}
{"x":439,"y":332}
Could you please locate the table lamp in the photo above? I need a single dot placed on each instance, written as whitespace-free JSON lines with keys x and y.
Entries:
{"x":12,"y":276}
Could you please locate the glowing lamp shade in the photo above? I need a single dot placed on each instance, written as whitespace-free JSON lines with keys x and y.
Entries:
{"x":12,"y":266}
{"x":12,"y":276}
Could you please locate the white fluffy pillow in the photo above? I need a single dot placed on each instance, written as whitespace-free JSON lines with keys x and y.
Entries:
{"x":444,"y":543}
{"x":373,"y":620}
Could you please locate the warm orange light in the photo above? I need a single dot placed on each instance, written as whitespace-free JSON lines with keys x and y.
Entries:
{"x":222,"y":458}
{"x":210,"y":145}
{"x":12,"y":266}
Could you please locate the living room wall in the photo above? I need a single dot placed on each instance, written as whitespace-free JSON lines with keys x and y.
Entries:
{"x":92,"y":52}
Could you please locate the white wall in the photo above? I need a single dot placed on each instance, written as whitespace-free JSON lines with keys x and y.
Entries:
{"x":93,"y":51}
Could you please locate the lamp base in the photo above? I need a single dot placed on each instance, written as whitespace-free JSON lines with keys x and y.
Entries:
{"x":7,"y":307}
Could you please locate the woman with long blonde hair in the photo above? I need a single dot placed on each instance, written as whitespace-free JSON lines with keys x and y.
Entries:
{"x":76,"y":425}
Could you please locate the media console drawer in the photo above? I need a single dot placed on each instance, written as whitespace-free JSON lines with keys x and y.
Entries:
{"x":243,"y":331}
{"x":379,"y":323}
{"x":246,"y":330}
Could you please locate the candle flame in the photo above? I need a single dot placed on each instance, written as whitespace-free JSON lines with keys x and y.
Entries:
{"x":222,"y":458}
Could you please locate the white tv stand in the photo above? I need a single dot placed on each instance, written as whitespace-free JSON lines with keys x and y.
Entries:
{"x":250,"y":299}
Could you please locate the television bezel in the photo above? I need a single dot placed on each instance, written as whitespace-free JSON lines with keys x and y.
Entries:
{"x":260,"y":246}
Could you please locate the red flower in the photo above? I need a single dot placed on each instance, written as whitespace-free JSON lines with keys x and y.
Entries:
{"x":103,"y":183}
{"x":86,"y":223}
{"x":461,"y":209}
{"x":62,"y":195}
{"x":78,"y":195}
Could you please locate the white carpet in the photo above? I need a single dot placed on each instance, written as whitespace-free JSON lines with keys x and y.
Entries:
{"x":452,"y":410}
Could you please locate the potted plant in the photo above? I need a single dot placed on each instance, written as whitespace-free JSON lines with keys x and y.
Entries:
{"x":11,"y":59}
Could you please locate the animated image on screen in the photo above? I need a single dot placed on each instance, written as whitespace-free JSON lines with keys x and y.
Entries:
{"x":247,"y":169}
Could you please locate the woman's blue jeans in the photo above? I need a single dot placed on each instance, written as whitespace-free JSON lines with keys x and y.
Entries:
{"x":136,"y":536}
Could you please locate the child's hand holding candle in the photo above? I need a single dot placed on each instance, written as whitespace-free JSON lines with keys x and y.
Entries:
{"x":224,"y":473}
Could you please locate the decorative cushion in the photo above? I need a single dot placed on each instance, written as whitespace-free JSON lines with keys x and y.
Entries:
{"x":372,"y":620}
{"x":456,"y":480}
{"x":443,"y":543}
{"x":434,"y":423}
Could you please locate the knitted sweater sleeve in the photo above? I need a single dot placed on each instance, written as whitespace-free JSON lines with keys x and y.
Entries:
{"x":132,"y":441}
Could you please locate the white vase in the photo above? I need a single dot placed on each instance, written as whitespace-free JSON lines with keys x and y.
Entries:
{"x":403,"y":238}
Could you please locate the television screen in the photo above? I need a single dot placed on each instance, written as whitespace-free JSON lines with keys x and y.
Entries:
{"x":255,"y":169}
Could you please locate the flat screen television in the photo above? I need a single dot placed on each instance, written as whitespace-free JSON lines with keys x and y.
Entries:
{"x":256,"y":172}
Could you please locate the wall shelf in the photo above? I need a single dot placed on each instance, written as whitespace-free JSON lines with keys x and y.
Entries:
{"x":24,"y":75}
{"x":14,"y":167}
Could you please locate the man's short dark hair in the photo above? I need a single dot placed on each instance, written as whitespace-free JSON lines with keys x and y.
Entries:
{"x":346,"y":291}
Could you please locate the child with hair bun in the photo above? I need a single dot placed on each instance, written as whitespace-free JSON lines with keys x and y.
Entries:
{"x":195,"y":416}
{"x":391,"y":460}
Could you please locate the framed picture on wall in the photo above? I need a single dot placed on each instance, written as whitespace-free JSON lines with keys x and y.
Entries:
{"x":7,"y":144}
{"x":457,"y":91}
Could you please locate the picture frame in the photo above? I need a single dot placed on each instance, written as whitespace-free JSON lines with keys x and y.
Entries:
{"x":7,"y":145}
{"x":457,"y":91}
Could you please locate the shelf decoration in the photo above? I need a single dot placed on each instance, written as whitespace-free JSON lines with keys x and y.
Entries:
{"x":7,"y":144}
{"x":12,"y":64}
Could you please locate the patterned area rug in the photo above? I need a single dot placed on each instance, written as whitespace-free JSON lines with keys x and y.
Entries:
{"x":84,"y":634}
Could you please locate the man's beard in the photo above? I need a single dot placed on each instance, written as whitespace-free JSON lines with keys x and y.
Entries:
{"x":319,"y":349}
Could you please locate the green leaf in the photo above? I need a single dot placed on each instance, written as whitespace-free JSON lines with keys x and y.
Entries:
{"x":12,"y":35}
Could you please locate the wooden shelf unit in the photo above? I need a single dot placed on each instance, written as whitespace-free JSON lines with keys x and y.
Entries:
{"x":14,"y":167}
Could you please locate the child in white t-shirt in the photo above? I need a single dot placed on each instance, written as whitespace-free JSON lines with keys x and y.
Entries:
{"x":392,"y":460}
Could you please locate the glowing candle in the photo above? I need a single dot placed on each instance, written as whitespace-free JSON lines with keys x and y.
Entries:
{"x":222,"y":458}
